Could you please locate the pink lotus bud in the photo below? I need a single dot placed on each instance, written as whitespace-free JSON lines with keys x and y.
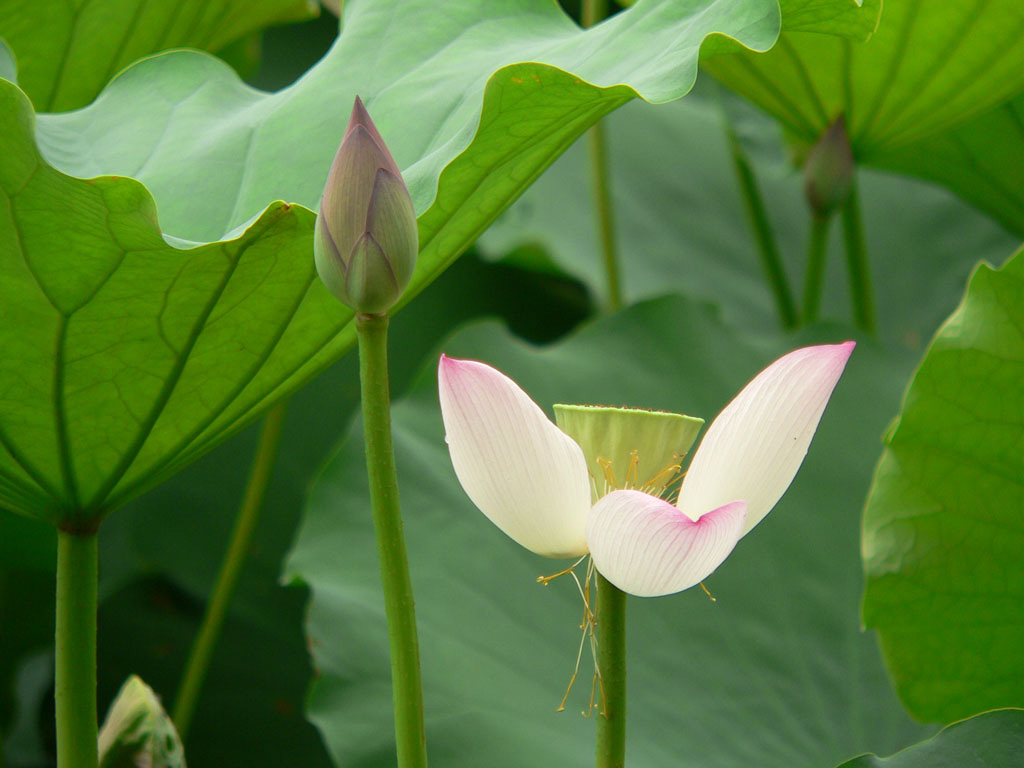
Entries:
{"x":366,"y":236}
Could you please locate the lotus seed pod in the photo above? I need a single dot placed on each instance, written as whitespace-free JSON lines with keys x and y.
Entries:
{"x":629,"y":447}
{"x":366,"y":237}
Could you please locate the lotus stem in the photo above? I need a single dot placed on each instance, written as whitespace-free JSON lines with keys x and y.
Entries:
{"x":406,"y":682}
{"x":75,"y":648}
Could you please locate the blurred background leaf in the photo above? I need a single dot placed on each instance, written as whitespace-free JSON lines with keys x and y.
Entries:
{"x":992,"y":740}
{"x":943,"y":526}
{"x":776,"y":673}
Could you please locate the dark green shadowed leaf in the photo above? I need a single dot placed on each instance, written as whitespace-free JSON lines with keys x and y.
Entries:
{"x":944,"y":523}
{"x":127,"y":358}
{"x":67,"y":51}
{"x":776,"y":673}
{"x":928,"y":67}
{"x":917,"y":96}
{"x":992,"y":740}
{"x":978,"y":159}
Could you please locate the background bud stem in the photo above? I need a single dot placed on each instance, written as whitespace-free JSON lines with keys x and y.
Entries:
{"x":407,"y":694}
{"x":594,"y":11}
{"x":817,"y":248}
{"x":857,"y":263}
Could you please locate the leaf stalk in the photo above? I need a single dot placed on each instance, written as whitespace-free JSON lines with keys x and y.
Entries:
{"x":75,"y":649}
{"x":201,"y":655}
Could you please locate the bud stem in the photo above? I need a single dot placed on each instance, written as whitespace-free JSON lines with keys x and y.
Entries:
{"x":594,"y":11}
{"x":857,"y":263}
{"x":75,"y":647}
{"x":611,"y":664}
{"x":817,"y":247}
{"x":227,"y":580}
{"x":407,"y":693}
{"x":771,"y":260}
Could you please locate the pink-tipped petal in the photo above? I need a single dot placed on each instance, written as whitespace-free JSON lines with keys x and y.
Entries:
{"x":647,"y":547}
{"x":521,"y":471}
{"x":754,"y":447}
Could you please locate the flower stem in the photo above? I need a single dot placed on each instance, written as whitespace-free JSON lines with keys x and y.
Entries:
{"x":813,"y":277}
{"x":407,"y":693}
{"x":594,"y":11}
{"x":857,"y":263}
{"x":771,"y":260}
{"x":611,"y":665}
{"x":75,"y":674}
{"x":198,"y":663}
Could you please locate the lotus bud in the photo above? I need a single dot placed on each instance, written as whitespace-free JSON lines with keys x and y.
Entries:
{"x":828,"y":170}
{"x":137,"y":732}
{"x":366,"y":237}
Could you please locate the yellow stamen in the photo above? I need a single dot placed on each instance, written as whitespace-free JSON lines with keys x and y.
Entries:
{"x":609,"y":474}
{"x":545,"y":580}
{"x":706,"y":592}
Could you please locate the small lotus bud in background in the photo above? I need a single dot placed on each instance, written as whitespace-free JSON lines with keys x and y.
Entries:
{"x":366,"y":237}
{"x":828,"y":170}
{"x":137,"y":732}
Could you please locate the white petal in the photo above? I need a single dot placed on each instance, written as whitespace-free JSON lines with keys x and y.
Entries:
{"x":520,"y":470}
{"x":754,"y":447}
{"x":647,"y":547}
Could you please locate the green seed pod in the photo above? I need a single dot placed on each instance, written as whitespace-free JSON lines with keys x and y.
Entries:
{"x":828,"y":170}
{"x":629,"y":447}
{"x":366,"y":237}
{"x":138,"y":733}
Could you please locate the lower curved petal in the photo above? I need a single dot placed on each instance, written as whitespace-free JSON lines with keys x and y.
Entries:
{"x":527,"y":476}
{"x":645,"y":546}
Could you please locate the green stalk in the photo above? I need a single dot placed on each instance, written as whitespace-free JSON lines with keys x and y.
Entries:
{"x":198,"y":663}
{"x":857,"y":262}
{"x":814,"y":276}
{"x":75,"y":674}
{"x":771,"y":261}
{"x":593,"y":12}
{"x":611,"y":665}
{"x":406,"y":687}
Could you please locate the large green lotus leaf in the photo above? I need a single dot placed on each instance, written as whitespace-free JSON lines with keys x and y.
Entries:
{"x":943,"y":531}
{"x":928,"y":67}
{"x":67,"y":51}
{"x":978,"y":159}
{"x":776,"y":673}
{"x":127,"y":358}
{"x":681,"y":225}
{"x":991,"y":740}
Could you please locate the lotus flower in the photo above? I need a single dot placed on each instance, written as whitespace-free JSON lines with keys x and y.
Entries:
{"x":531,"y":479}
